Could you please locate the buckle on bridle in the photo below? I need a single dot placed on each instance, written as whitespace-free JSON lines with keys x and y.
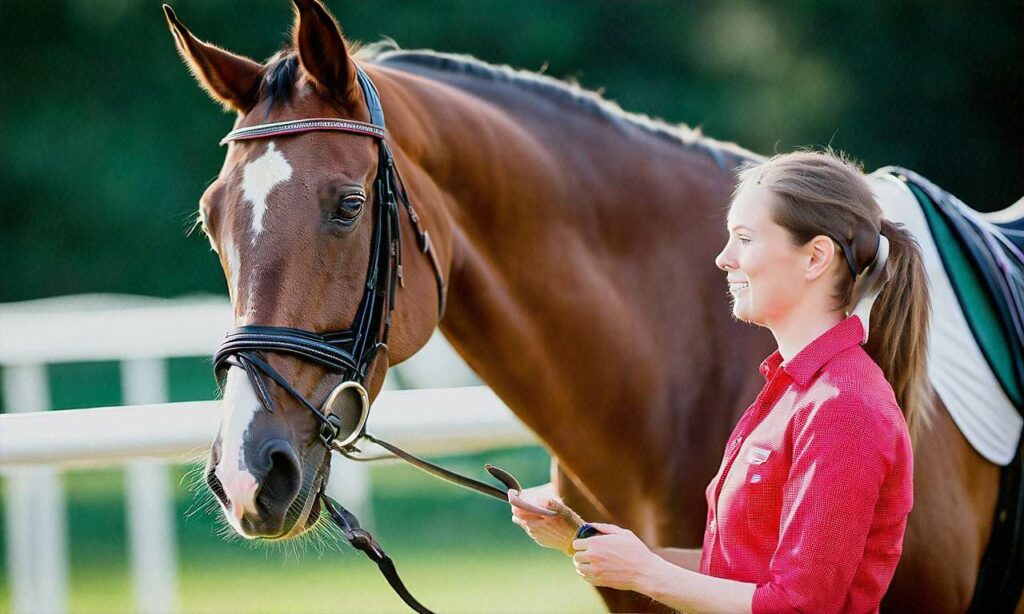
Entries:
{"x":330,"y":429}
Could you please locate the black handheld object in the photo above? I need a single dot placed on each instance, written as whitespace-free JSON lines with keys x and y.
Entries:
{"x":586,"y":530}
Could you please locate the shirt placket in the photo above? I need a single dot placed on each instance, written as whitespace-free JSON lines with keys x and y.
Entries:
{"x":750,"y":421}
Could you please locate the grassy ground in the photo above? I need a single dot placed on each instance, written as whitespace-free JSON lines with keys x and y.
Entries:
{"x":451,"y":581}
{"x":457,"y":552}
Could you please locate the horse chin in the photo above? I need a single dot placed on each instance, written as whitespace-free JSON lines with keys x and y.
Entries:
{"x":303,"y":523}
{"x":309,"y":513}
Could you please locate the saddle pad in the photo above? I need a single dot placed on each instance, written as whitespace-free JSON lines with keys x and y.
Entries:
{"x":976,"y":301}
{"x":957,"y":368}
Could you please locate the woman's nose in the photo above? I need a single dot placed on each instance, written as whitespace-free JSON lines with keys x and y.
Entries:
{"x":724,"y":260}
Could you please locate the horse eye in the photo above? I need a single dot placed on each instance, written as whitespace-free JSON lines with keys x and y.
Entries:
{"x":348,"y":209}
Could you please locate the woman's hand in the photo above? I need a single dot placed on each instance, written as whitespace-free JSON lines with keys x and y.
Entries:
{"x":548,"y":531}
{"x":617,"y":559}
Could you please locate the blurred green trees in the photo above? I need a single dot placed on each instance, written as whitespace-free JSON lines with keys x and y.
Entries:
{"x":107,"y":143}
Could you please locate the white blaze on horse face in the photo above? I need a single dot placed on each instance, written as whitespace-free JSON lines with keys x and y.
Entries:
{"x":259,"y":177}
{"x":240,"y":406}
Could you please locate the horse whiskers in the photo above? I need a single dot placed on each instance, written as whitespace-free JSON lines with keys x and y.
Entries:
{"x":203,"y":503}
{"x":202,"y":499}
{"x":192,"y":479}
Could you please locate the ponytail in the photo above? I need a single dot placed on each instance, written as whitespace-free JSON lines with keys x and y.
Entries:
{"x":898,"y":342}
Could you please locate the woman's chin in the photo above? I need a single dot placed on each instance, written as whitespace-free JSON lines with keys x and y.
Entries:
{"x":740,"y":311}
{"x":743,"y":314}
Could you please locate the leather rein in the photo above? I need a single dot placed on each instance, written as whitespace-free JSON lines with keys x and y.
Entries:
{"x":352,"y":352}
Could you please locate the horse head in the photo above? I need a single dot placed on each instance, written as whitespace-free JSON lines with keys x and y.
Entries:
{"x":294,"y":219}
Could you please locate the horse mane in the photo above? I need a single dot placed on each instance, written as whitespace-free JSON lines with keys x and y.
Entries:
{"x":281,"y":71}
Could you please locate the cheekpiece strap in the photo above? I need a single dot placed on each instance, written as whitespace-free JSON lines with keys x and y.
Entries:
{"x":373,"y":104}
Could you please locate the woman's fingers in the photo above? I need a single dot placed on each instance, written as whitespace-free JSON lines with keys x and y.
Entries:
{"x":580,"y":545}
{"x":519,"y":502}
{"x":582,"y":558}
{"x":608,"y":529}
{"x":520,"y":507}
{"x":526,"y":515}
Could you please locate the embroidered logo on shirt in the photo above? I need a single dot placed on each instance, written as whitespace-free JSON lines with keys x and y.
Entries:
{"x":755,"y":479}
{"x":757,"y":456}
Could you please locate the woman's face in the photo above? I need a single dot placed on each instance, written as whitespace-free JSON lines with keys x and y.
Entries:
{"x":765,"y":271}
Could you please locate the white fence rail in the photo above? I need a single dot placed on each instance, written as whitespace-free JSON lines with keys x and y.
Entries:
{"x":148,"y":433}
{"x":427,"y":421}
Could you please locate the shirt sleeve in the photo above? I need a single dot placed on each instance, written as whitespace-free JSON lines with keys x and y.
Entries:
{"x":842,"y":454}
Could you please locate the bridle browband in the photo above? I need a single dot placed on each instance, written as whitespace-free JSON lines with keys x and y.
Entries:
{"x":351,"y":352}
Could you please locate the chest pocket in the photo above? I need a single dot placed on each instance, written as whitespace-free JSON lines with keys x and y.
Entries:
{"x":764,"y":473}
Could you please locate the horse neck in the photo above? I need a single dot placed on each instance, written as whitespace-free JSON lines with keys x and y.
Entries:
{"x":582,"y":287}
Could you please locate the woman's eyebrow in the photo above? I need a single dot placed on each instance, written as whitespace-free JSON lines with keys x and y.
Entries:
{"x":740,"y":227}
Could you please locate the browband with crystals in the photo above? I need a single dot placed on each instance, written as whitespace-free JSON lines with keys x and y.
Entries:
{"x":294,"y":126}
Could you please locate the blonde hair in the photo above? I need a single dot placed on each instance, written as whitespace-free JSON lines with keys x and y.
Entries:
{"x":825,"y":193}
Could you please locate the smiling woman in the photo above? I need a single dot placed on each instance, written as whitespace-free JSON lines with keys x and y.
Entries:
{"x":810,"y":504}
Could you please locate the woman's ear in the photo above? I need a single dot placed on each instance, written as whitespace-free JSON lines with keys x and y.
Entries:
{"x":820,"y":253}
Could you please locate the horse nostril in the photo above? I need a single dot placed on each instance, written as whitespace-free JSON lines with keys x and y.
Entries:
{"x":213,"y":482}
{"x":281,"y":478}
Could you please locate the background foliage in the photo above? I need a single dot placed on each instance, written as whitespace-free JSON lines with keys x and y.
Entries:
{"x":107,"y":143}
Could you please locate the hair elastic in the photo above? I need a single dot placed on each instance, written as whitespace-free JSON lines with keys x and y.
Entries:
{"x":848,"y":253}
{"x":869,"y":285}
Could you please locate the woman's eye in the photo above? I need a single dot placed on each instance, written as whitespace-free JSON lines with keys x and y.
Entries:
{"x":348,"y":209}
{"x":744,"y":240}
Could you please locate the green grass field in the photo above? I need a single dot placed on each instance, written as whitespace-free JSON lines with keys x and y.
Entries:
{"x":457,"y":552}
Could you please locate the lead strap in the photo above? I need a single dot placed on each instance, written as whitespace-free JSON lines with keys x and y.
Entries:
{"x":362,"y":540}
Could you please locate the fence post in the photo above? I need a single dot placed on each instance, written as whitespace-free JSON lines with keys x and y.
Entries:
{"x":150,"y":500}
{"x":37,"y":549}
{"x":350,"y":485}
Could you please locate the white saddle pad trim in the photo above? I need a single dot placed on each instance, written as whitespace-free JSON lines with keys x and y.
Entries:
{"x":956,"y":366}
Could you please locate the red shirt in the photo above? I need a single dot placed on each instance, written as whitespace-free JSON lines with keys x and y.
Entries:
{"x":812,"y":497}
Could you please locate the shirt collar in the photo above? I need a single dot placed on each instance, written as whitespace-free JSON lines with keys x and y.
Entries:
{"x":816,"y":354}
{"x":770,"y":365}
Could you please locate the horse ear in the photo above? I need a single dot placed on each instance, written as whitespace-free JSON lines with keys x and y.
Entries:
{"x":322,"y":52}
{"x":230,"y":79}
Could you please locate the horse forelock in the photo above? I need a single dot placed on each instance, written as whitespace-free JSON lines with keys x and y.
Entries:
{"x":278,"y":79}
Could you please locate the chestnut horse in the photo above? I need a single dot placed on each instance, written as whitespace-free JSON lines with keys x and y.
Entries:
{"x":578,"y":245}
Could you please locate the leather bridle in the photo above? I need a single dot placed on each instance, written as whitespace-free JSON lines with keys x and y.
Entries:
{"x":353,"y":352}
